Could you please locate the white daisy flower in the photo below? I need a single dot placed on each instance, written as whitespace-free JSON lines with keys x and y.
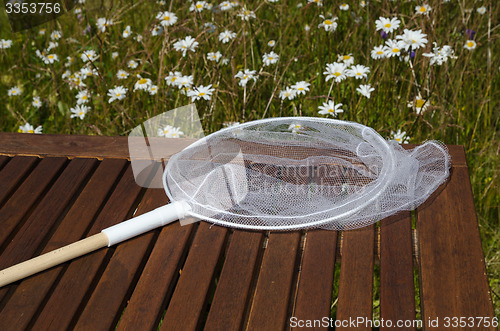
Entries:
{"x":41,"y":32}
{"x":186,"y":44}
{"x":329,"y":24}
{"x":127,"y":32}
{"x":378,"y":52}
{"x":102,"y":23}
{"x":271,"y":43}
{"x":400,"y":136}
{"x":132,"y":64}
{"x":319,"y":3}
{"x":362,"y":3}
{"x":481,"y":10}
{"x":143,"y":84}
{"x":214,"y":56}
{"x":225,"y":5}
{"x":51,"y":58}
{"x":226,"y":36}
{"x":347,"y":59}
{"x":344,"y":6}
{"x":89,"y":55}
{"x":335,"y":70}
{"x":88,"y":72}
{"x":138,"y":38}
{"x":170,"y":132}
{"x":82,"y":97}
{"x":393,"y":48}
{"x":358,"y":71}
{"x":365,"y":90}
{"x":122,"y":74}
{"x":172,"y":78}
{"x":55,"y":35}
{"x":185,"y":82}
{"x":13,"y":91}
{"x":423,"y":10}
{"x":198,"y":6}
{"x":52,"y":45}
{"x":245,"y":76}
{"x":79,"y":111}
{"x":201,"y":92}
{"x":414,"y":39}
{"x":470,"y":45}
{"x":117,"y":93}
{"x":69,"y":61}
{"x":288,"y":93}
{"x":28,"y":128}
{"x":420,"y":104}
{"x":439,"y":55}
{"x":301,"y":87}
{"x":167,"y":18}
{"x":37,"y":103}
{"x":114,"y":55}
{"x":4,"y":44}
{"x":295,"y":127}
{"x":153,"y":89}
{"x":330,"y":108}
{"x":388,"y":25}
{"x":157,"y":30}
{"x":246,"y":14}
{"x":270,"y":58}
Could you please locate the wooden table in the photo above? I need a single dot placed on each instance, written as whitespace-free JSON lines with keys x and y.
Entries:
{"x":58,"y":189}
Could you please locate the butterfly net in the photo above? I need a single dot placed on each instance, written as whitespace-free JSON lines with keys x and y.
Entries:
{"x":292,"y":173}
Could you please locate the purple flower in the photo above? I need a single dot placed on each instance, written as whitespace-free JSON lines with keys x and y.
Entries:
{"x":470,"y":33}
{"x":383,"y":34}
{"x":412,"y":54}
{"x":87,"y":29}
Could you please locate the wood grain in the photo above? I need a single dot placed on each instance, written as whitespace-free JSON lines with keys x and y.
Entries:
{"x":314,"y":292}
{"x":28,"y":297}
{"x":233,"y":289}
{"x":186,"y":308}
{"x":269,"y":310}
{"x":453,"y":279}
{"x":82,"y":146}
{"x":73,"y":289}
{"x":397,"y":289}
{"x":356,"y":276}
{"x":12,"y":175}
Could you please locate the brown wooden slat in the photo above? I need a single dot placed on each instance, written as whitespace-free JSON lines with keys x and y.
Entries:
{"x":28,"y":296}
{"x":109,"y":297}
{"x":453,"y":279}
{"x":233,"y":289}
{"x":27,"y":194}
{"x":13,"y":174}
{"x":272,"y":297}
{"x":81,"y":146}
{"x":32,"y":233}
{"x":314,"y":292}
{"x":3,"y":160}
{"x":186,"y":307}
{"x":62,"y":308}
{"x":356,"y":276}
{"x":397,"y":289}
{"x":155,"y":285}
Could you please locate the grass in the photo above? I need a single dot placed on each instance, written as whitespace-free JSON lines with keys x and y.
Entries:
{"x":461,"y":96}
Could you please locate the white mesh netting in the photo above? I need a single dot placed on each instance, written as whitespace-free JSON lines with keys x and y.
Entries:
{"x":292,"y":173}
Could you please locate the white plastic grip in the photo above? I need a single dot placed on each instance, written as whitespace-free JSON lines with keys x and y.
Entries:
{"x":146,"y":222}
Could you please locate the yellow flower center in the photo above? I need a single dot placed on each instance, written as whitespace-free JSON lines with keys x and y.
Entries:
{"x":118,"y":94}
{"x":84,"y":97}
{"x":51,"y":56}
{"x":380,"y":53}
{"x":331,"y":110}
{"x":173,"y":79}
{"x":143,"y":81}
{"x":201,"y":94}
{"x":328,"y":22}
{"x":166,"y":18}
{"x":80,"y":113}
{"x":300,"y":89}
{"x":470,"y":44}
{"x":245,"y":77}
{"x":422,"y":9}
{"x":346,"y":57}
{"x":358,"y":73}
{"x":31,"y":131}
{"x":270,"y":58}
{"x":395,"y":50}
{"x":388,"y":25}
{"x":198,"y":6}
{"x":337,"y":74}
{"x":419,"y":103}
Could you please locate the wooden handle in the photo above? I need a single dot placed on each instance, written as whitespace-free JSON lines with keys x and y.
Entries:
{"x":53,"y":258}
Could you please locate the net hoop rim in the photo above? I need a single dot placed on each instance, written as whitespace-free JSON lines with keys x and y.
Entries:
{"x":383,"y":181}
